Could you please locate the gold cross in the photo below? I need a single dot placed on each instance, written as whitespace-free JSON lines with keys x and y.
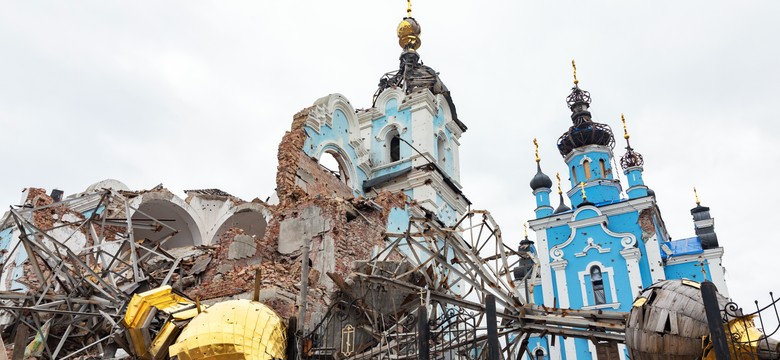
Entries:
{"x":625,"y":130}
{"x":574,"y":66}
{"x":536,"y":150}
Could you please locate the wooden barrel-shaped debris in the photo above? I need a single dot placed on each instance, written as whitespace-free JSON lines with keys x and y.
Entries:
{"x":667,"y":322}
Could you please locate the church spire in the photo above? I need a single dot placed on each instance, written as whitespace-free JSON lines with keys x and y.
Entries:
{"x":541,"y":186}
{"x":584,"y":131}
{"x":632,"y":162}
{"x":631,"y":158}
{"x":540,"y":180}
{"x":704,"y":224}
{"x":562,"y":204}
{"x":409,"y":31}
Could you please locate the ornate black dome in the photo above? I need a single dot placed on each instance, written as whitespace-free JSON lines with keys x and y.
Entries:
{"x":584,"y":131}
{"x":631,"y":158}
{"x":540,"y":180}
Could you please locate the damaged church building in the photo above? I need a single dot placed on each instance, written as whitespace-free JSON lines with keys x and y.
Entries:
{"x":379,"y":255}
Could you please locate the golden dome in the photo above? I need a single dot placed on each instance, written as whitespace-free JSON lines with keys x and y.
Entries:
{"x":234,"y":329}
{"x":409,"y":34}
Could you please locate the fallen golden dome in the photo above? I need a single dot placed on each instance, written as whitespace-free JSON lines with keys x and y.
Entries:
{"x":234,"y":329}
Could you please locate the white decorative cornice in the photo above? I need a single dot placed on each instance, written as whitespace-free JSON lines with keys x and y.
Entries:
{"x":592,"y":245}
{"x":622,"y":207}
{"x":419,"y":178}
{"x":392,"y":124}
{"x":714,"y":253}
{"x":631,"y":253}
{"x":322,"y":114}
{"x":597,"y":182}
{"x":380,"y":106}
{"x":559,"y":265}
{"x":628,"y":170}
{"x":627,"y":240}
{"x":588,"y":149}
{"x":420,"y":100}
{"x":542,"y":189}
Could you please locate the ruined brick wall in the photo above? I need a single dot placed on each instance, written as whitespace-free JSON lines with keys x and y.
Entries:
{"x":298,"y":175}
{"x":356,"y":226}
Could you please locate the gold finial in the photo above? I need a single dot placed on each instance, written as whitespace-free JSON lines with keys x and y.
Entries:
{"x":696,"y":193}
{"x":525,"y":230}
{"x":536,"y":150}
{"x":409,"y":31}
{"x":558,"y":176}
{"x":625,"y":130}
{"x":584,"y":196}
{"x":574,"y":66}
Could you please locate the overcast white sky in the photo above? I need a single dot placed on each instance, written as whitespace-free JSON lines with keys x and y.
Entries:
{"x":198,"y":94}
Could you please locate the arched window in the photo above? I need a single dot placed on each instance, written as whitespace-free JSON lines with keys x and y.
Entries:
{"x":393,"y":145}
{"x":599,"y":297}
{"x":441,"y":151}
{"x":332,"y":161}
{"x":603,"y":168}
{"x":586,"y":168}
{"x":574,"y":175}
{"x":539,"y":355}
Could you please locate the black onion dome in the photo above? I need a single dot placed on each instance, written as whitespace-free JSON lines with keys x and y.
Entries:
{"x":650,"y":192}
{"x":562,"y":207}
{"x":540,"y":180}
{"x":584,"y":131}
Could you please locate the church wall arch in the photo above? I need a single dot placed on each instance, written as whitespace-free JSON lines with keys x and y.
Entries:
{"x":171,"y":210}
{"x":250,"y":217}
{"x":332,"y":127}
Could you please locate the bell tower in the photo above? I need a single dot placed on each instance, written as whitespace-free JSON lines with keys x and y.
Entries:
{"x":414,"y":132}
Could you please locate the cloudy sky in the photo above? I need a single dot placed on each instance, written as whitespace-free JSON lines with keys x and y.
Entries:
{"x":197,"y":94}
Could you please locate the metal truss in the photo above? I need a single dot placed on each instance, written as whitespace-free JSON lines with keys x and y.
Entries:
{"x":77,"y":294}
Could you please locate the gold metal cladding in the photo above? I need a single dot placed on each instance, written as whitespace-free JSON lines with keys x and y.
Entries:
{"x":233,"y":329}
{"x":696,"y":193}
{"x":409,"y":34}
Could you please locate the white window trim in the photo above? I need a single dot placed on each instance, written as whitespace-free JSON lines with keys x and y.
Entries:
{"x":610,"y":274}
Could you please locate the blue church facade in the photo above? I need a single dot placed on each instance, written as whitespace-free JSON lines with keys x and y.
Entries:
{"x":600,"y":253}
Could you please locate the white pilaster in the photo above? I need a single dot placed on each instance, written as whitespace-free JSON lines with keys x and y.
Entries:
{"x":717,"y":272}
{"x":543,"y":251}
{"x":632,"y":256}
{"x":563,"y":300}
{"x":653,"y":249}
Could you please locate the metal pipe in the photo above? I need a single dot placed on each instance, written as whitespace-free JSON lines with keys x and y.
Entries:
{"x":494,"y":349}
{"x":709,"y":295}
